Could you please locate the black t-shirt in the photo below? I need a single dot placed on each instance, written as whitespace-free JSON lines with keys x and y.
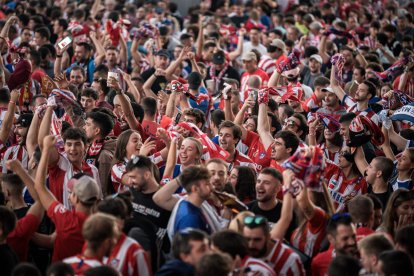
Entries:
{"x":21,"y":212}
{"x":8,"y":259}
{"x":383,"y":197}
{"x":160,"y":83}
{"x":273,"y":215}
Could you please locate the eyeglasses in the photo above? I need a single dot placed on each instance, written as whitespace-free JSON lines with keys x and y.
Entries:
{"x":338,"y":216}
{"x":254,"y":221}
{"x":290,"y":123}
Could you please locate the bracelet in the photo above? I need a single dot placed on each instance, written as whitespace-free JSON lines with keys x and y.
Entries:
{"x":12,"y":102}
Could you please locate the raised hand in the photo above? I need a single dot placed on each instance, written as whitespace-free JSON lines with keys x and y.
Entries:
{"x":114,"y":83}
{"x":147,"y":147}
{"x":49,"y":141}
{"x":62,"y":81}
{"x":13,"y":164}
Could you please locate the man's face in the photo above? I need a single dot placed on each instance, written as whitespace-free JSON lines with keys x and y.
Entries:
{"x":292,"y":124}
{"x":91,"y":129}
{"x":56,"y":27}
{"x":137,"y":178}
{"x":161,"y":62}
{"x":362,"y":94}
{"x":402,"y":23}
{"x":349,"y":58}
{"x":279,"y":150}
{"x":266,"y":187}
{"x":344,"y":130}
{"x":256,"y":241}
{"x":368,"y":261}
{"x":76,"y":78}
{"x":198,"y":250}
{"x":87,"y":103}
{"x":111,"y":57}
{"x":21,"y":134}
{"x":357,"y":75}
{"x":249,"y":65}
{"x":80,"y":54}
{"x":345,"y":240}
{"x":26,"y":35}
{"x":291,"y":34}
{"x":208,"y":54}
{"x":75,"y":150}
{"x":314,"y":66}
{"x":141,"y":13}
{"x":371,"y":172}
{"x":331,"y":100}
{"x":218,"y":175}
{"x":204,"y":189}
{"x":39,"y":40}
{"x":226,"y":139}
{"x":254,"y":36}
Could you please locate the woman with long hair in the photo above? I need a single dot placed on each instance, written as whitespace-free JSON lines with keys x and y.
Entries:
{"x":399,"y":211}
{"x":130,"y":144}
{"x":243,"y":180}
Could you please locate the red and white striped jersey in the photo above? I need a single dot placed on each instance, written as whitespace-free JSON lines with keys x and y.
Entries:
{"x":60,"y":174}
{"x":257,"y":266}
{"x":80,"y":263}
{"x":408,"y":88}
{"x":267,"y":64}
{"x":17,"y":152}
{"x":241,"y":159}
{"x":332,"y":156}
{"x":342,"y":189}
{"x":351,"y":106}
{"x":310,"y":239}
{"x":284,"y":260}
{"x":128,"y":258}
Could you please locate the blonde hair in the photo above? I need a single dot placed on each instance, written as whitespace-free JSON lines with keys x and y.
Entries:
{"x":199,"y":147}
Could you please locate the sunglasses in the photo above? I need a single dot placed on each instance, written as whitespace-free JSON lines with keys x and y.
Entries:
{"x":254,"y":221}
{"x":290,"y":123}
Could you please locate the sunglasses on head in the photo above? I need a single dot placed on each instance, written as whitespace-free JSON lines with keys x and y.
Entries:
{"x":289,"y":122}
{"x":254,"y":221}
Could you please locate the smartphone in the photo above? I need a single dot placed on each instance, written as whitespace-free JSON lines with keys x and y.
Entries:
{"x":253,"y":93}
{"x":65,"y":42}
{"x":177,"y":118}
{"x":113,"y":75}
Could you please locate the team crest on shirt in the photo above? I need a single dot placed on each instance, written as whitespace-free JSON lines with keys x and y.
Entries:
{"x":262,"y":155}
{"x":114,"y":263}
{"x":90,"y":161}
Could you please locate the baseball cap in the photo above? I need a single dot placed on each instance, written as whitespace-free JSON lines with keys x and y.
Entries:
{"x":85,"y":188}
{"x":24,"y":120}
{"x":278,"y":43}
{"x":327,"y":89}
{"x":218,"y":57}
{"x":249,"y":56}
{"x":316,"y":57}
{"x":163,"y":52}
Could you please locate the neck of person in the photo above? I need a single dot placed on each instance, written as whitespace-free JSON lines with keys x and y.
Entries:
{"x":406,"y":174}
{"x":348,"y":172}
{"x":332,"y":108}
{"x":78,"y":163}
{"x":89,"y":253}
{"x":362,"y":105}
{"x":149,"y":118}
{"x":255,"y":43}
{"x":84,"y":209}
{"x":151,"y":187}
{"x":379,"y":186}
{"x":17,"y":202}
{"x":96,"y":138}
{"x":268,"y":205}
{"x":193,"y":91}
{"x":232,"y":153}
{"x":194,"y":199}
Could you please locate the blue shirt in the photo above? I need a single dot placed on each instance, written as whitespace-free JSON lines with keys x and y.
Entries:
{"x":203,"y":106}
{"x":190,"y":216}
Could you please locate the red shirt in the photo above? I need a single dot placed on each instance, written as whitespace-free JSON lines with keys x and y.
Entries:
{"x":19,"y":238}
{"x":128,"y":258}
{"x":38,"y":74}
{"x":312,"y":104}
{"x":362,"y":232}
{"x":69,"y":239}
{"x":321,"y":263}
{"x":257,"y":151}
{"x":310,"y":239}
{"x":240,"y":160}
{"x":245,"y":78}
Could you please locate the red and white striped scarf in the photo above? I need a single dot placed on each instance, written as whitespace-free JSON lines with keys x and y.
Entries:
{"x":95,"y":148}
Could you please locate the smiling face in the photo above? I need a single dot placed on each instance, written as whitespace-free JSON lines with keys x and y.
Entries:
{"x":218,"y":175}
{"x":226,"y":139}
{"x":20,"y":133}
{"x":362,"y":93}
{"x":405,"y":163}
{"x":75,"y":150}
{"x":345,"y":240}
{"x":134,"y":145}
{"x":267,"y":187}
{"x":188,"y":153}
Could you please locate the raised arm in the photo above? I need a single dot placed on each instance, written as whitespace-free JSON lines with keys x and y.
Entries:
{"x":274,"y":79}
{"x":150,"y":81}
{"x":281,"y":226}
{"x":360,"y":160}
{"x":339,"y":92}
{"x":263,"y":127}
{"x":169,"y":72}
{"x":200,"y":38}
{"x":8,"y":119}
{"x":45,"y":195}
{"x":132,"y":88}
{"x":134,"y":53}
{"x":5,"y":30}
{"x":123,"y":53}
{"x":100,"y":50}
{"x":228,"y":109}
{"x":322,"y":49}
{"x":125,"y":104}
{"x":249,"y":103}
{"x":44,"y":131}
{"x":399,"y":141}
{"x":32,"y":133}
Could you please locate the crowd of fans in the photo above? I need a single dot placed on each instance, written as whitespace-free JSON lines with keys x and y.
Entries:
{"x":241,"y":138}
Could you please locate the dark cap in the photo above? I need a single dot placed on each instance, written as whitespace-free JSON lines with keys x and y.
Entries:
{"x":163,"y":52}
{"x":219,"y":57}
{"x":25,"y":120}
